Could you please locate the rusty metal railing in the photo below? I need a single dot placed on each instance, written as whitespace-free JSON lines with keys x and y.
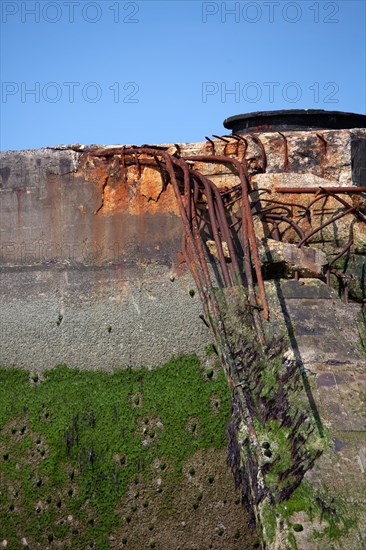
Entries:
{"x":229,"y":214}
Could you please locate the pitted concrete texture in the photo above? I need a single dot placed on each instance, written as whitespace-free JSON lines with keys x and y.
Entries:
{"x":98,"y":318}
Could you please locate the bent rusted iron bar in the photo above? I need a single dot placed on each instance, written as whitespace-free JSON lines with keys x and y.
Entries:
{"x":292,"y":205}
{"x":230,"y":136}
{"x":188,"y":186}
{"x":289,"y":221}
{"x":226,"y":141}
{"x":226,"y":232}
{"x":244,"y":180}
{"x":241,"y":138}
{"x":215,"y":228}
{"x":276,"y":231}
{"x":328,"y":222}
{"x":275,"y":207}
{"x":257,"y":140}
{"x":341,"y":253}
{"x":358,"y":214}
{"x":212,"y":145}
{"x":221,"y":138}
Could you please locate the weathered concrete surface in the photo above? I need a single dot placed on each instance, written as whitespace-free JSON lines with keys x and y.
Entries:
{"x":87,"y":286}
{"x":78,"y":244}
{"x":92,"y":276}
{"x":326,"y":343}
{"x":98,"y":318}
{"x":280,"y":259}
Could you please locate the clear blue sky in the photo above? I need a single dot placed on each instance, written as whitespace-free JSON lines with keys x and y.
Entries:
{"x":152,"y":71}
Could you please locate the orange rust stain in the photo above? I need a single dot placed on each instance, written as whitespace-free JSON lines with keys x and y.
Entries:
{"x":122,"y":189}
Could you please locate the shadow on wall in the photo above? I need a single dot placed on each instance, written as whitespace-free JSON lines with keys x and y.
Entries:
{"x":296,"y":350}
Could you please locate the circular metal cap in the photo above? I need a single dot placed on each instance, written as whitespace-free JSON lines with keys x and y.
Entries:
{"x":294,"y":119}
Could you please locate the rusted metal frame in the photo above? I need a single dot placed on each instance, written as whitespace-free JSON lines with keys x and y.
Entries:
{"x":311,"y":190}
{"x":237,"y":143}
{"x":198,"y":240}
{"x":275,"y":207}
{"x":234,"y":224}
{"x":231,"y":190}
{"x":249,"y":276}
{"x":341,"y":253}
{"x":225,"y":226}
{"x":286,"y":164}
{"x":214,"y":227}
{"x":289,"y":221}
{"x":212,"y":145}
{"x":325,"y":224}
{"x":196,"y":191}
{"x":196,"y":263}
{"x":197,"y":252}
{"x":243,"y":176}
{"x":319,"y":197}
{"x":232,"y":264}
{"x":225,"y":231}
{"x":211,"y":306}
{"x":227,"y":204}
{"x":221,"y":138}
{"x":251,"y":253}
{"x":247,"y":261}
{"x":358,"y":214}
{"x":202,"y":218}
{"x":258,"y":141}
{"x":243,"y":140}
{"x":159,"y":148}
{"x":195,"y":255}
{"x":276,"y":231}
{"x":200,"y":180}
{"x":187,"y":187}
{"x":224,"y":195}
{"x":107,"y":152}
{"x":290,"y":204}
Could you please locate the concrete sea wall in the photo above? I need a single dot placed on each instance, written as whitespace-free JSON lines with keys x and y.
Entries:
{"x":93,"y":275}
{"x":91,"y":269}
